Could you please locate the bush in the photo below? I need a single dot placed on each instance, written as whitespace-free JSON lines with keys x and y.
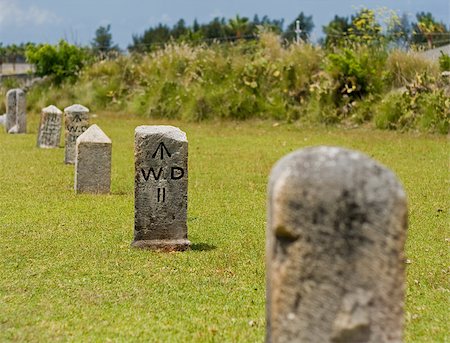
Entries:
{"x":261,"y":79}
{"x":63,"y":61}
{"x":424,"y":105}
{"x":356,"y":73}
{"x":444,"y":62}
{"x":402,"y":68}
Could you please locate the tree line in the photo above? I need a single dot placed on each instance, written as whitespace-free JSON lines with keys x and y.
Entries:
{"x":425,"y":30}
{"x":365,"y":26}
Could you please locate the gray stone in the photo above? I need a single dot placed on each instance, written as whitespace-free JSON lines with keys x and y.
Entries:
{"x":335,"y":237}
{"x":50,"y":127}
{"x":21,"y":111}
{"x":161,"y":186}
{"x":76,"y":121}
{"x":2,"y":119}
{"x":16,"y":117}
{"x":93,"y":162}
{"x":11,"y":109}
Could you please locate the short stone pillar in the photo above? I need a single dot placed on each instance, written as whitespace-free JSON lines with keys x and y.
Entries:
{"x":161,"y":186}
{"x":16,"y":117}
{"x":76,"y":119}
{"x":50,"y":127}
{"x":336,"y":230}
{"x":93,"y":162}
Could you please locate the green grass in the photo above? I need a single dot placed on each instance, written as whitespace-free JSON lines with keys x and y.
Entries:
{"x":68,"y":272}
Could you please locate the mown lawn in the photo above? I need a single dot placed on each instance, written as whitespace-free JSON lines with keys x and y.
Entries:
{"x":68,"y":272}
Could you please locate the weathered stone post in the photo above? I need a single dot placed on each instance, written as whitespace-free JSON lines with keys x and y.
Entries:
{"x":76,"y":122}
{"x":21,"y":112}
{"x":93,"y":162}
{"x":50,"y":127}
{"x":161,"y":185}
{"x":16,"y":116}
{"x":11,"y":110}
{"x":335,"y":236}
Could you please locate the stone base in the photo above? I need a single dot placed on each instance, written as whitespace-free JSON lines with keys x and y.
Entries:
{"x":163,"y":245}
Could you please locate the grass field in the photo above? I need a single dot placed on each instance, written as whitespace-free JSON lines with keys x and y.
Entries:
{"x":68,"y":272}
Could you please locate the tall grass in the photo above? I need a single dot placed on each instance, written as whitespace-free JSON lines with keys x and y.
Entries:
{"x":259,"y":79}
{"x":403,"y":67}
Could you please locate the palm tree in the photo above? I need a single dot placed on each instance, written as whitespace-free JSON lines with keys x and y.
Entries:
{"x":239,"y":26}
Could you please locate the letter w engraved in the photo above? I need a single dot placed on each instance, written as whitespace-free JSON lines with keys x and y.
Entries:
{"x":151,"y":171}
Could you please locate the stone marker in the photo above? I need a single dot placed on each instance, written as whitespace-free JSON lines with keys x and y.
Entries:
{"x":21,"y":112}
{"x":93,"y":162}
{"x":11,"y":108}
{"x":76,"y":122}
{"x":161,"y":185}
{"x":335,"y":235}
{"x":50,"y":127}
{"x":16,"y":117}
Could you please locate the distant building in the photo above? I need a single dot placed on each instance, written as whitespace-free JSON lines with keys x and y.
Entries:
{"x":434,"y":54}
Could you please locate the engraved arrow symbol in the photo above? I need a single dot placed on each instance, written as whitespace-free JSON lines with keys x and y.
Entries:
{"x":161,"y":147}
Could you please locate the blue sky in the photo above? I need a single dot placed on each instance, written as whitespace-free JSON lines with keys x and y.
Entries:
{"x":76,"y":20}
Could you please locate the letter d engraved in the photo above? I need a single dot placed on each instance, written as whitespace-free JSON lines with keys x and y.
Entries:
{"x":173,"y":175}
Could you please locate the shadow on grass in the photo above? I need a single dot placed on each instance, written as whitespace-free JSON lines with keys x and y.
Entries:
{"x":202,"y":247}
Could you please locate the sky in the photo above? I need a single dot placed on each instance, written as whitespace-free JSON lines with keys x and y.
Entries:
{"x":48,"y":21}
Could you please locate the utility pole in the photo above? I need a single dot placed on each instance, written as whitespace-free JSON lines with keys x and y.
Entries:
{"x":298,"y":31}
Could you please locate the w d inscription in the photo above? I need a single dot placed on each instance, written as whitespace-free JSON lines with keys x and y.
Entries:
{"x":161,"y":184}
{"x":76,"y":119}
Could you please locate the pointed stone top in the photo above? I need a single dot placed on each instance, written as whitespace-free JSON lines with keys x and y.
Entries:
{"x":77,"y":108}
{"x":94,"y":134}
{"x":52,"y":110}
{"x":166,"y":130}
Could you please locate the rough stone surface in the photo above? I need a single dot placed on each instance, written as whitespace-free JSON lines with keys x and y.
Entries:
{"x":93,"y":162}
{"x":50,"y":127}
{"x":21,"y":111}
{"x":161,"y":185}
{"x":16,"y":117}
{"x":335,"y":236}
{"x":76,"y":119}
{"x":11,"y":110}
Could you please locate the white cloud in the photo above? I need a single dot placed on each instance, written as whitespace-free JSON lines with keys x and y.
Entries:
{"x":11,"y":13}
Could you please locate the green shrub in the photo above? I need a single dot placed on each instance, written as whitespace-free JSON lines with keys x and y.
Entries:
{"x":444,"y":62}
{"x":435,"y":112}
{"x":389,"y":111}
{"x":424,"y":105}
{"x":63,"y":61}
{"x":10,"y":82}
{"x":261,"y":79}
{"x":356,"y":73}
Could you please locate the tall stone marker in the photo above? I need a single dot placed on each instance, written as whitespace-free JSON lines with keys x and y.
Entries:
{"x":336,"y":230}
{"x":50,"y":127}
{"x":16,"y":117}
{"x":161,"y":186}
{"x":76,"y":122}
{"x":93,"y":162}
{"x":11,"y":110}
